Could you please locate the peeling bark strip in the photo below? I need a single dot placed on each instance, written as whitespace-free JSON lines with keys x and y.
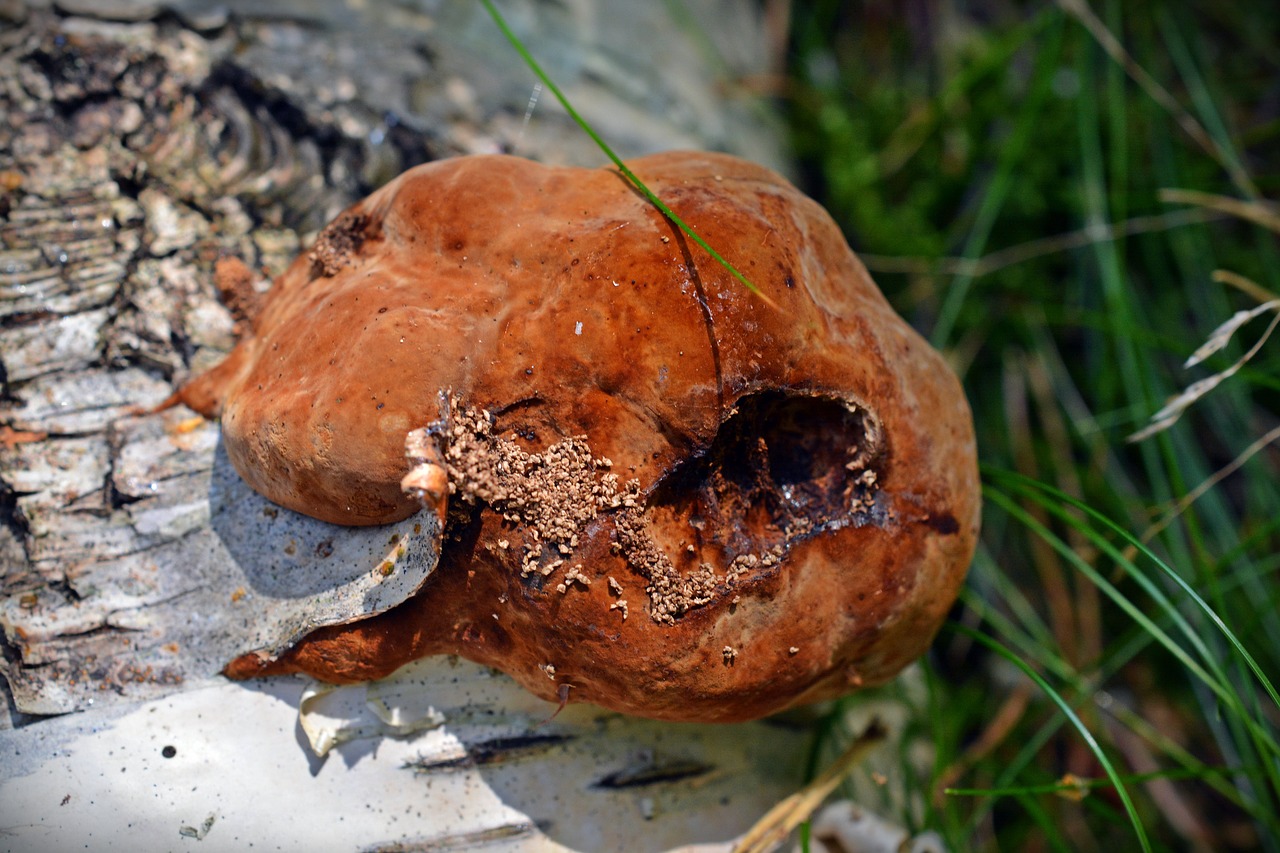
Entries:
{"x":135,"y":154}
{"x":492,"y":751}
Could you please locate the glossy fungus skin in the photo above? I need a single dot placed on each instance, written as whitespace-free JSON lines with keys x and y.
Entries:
{"x":754,"y":506}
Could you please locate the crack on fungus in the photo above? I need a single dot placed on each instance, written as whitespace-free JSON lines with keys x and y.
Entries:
{"x":704,"y":306}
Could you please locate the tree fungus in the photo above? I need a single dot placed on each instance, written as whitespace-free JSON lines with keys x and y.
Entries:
{"x":663,"y":495}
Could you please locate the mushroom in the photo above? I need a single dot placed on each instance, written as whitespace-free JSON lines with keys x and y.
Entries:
{"x":663,"y":495}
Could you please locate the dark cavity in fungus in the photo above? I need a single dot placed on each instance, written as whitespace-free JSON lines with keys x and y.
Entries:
{"x":781,"y":465}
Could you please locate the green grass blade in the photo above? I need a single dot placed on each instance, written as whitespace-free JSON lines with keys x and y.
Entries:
{"x":1216,"y":681}
{"x":1204,"y":101}
{"x":1030,"y":484}
{"x":1117,"y":783}
{"x":1234,"y":712}
{"x":1001,"y":183}
{"x":1008,"y":505}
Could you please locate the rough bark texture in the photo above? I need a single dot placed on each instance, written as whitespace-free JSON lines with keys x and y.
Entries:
{"x":138,"y":148}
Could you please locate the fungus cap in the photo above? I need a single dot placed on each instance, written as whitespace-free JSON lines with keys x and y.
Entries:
{"x":664,"y":495}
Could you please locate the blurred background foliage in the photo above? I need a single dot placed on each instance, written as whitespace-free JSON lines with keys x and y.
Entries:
{"x":1003,"y":168}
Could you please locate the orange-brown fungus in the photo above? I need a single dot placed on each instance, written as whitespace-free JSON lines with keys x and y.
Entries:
{"x":662,"y":492}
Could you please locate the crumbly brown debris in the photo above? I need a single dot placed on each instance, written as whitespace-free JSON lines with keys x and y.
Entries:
{"x":863,"y":454}
{"x":574,"y":575}
{"x":747,"y":563}
{"x":338,"y":243}
{"x":671,"y":594}
{"x":862,"y":491}
{"x":552,"y":493}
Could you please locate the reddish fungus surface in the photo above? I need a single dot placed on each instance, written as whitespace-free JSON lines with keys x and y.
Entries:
{"x":663,"y":495}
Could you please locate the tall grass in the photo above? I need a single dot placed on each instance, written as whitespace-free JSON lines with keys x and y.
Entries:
{"x":1001,"y":168}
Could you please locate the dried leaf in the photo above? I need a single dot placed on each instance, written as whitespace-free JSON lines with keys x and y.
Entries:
{"x":772,"y":829}
{"x":1168,"y":415}
{"x":1222,"y":335}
